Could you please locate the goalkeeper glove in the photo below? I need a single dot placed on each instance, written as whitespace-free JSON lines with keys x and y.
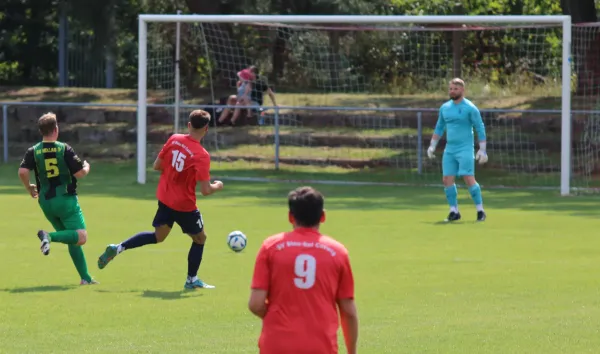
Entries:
{"x":481,"y":155}
{"x":431,"y":149}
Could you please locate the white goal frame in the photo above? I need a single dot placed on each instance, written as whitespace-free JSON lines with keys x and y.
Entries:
{"x":565,"y":21}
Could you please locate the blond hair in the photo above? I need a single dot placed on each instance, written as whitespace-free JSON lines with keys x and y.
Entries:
{"x":458,"y":82}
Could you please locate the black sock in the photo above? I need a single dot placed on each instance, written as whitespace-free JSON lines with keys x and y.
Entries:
{"x":139,"y":240}
{"x":194,"y":259}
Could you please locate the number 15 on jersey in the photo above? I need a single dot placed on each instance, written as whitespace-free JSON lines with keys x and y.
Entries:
{"x":178,"y":161}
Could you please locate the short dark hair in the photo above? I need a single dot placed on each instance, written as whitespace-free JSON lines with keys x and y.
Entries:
{"x":254,"y":70}
{"x":199,"y":119}
{"x":47,"y":123}
{"x":306,"y":206}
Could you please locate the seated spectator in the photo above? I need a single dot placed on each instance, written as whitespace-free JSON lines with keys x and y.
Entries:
{"x":216,"y":111}
{"x":243,"y":96}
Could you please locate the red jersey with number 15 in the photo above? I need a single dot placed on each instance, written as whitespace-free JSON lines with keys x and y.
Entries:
{"x":184,"y":162}
{"x":304,"y":274}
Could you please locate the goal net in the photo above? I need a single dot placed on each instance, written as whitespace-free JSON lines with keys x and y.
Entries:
{"x":358,"y":96}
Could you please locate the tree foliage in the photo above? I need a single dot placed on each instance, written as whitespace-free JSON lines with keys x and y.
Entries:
{"x":108,"y":29}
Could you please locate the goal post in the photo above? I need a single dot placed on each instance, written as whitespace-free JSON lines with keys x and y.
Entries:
{"x":348,"y":20}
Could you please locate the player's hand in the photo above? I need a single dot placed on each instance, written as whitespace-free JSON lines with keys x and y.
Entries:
{"x":33,"y":190}
{"x":481,"y":156}
{"x":430,"y":152}
{"x":218,"y":185}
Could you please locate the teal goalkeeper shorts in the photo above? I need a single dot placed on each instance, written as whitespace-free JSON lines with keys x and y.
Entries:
{"x":459,"y":163}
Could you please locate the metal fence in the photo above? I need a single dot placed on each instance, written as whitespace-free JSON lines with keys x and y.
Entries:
{"x":524,"y":145}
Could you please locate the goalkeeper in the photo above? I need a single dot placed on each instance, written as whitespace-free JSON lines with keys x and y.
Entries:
{"x":458,"y":117}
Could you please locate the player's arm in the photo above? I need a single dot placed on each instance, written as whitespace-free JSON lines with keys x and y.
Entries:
{"x":157,"y":165}
{"x":477,"y":123}
{"x":440,"y":127}
{"x":347,"y":306}
{"x":349,"y":320}
{"x":203,"y":177}
{"x":28,"y":164}
{"x":207,"y":188}
{"x":77,"y":167}
{"x":257,"y":304}
{"x":479,"y":127}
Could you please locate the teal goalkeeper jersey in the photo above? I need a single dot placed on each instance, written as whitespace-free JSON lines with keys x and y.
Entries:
{"x":458,"y":121}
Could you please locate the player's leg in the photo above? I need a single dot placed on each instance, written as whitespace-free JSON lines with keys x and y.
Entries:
{"x":52,"y":212}
{"x":73,"y":219}
{"x":163,"y":222}
{"x":192,"y":224}
{"x":467,"y":171}
{"x":449,"y":171}
{"x":44,"y":236}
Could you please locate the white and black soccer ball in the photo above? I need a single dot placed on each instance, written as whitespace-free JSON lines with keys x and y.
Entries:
{"x":237,"y":241}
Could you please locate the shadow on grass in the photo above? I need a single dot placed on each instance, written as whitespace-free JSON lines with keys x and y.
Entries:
{"x":156,"y":294}
{"x":171,"y":295}
{"x":117,"y":181}
{"x":41,"y":288}
{"x":460,"y":222}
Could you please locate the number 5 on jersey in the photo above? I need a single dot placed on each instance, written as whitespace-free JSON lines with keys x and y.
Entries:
{"x":51,"y":167}
{"x":305,"y":268}
{"x":178,"y":160}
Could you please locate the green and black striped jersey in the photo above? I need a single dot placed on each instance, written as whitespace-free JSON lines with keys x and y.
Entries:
{"x":54,"y":164}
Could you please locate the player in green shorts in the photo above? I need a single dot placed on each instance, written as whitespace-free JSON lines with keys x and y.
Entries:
{"x":57,"y":167}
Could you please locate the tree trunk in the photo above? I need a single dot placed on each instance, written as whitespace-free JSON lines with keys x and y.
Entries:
{"x":278,"y":57}
{"x":580,"y":10}
{"x":332,"y":60}
{"x":586,"y":45}
{"x":111,"y":44}
{"x":457,"y":44}
{"x":203,"y":7}
{"x":281,"y":37}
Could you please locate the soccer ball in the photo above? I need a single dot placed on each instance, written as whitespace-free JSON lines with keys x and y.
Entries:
{"x":236,"y":240}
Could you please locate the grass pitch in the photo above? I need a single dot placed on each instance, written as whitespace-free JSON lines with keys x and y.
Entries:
{"x":525,"y":281}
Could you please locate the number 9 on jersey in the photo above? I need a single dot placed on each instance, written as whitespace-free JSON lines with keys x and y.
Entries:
{"x":305,"y":268}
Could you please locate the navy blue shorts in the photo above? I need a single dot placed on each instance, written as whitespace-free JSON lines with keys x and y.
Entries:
{"x":191,"y":222}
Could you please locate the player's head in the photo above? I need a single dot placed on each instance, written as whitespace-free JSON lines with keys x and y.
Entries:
{"x":306,"y":207}
{"x":254,"y":70}
{"x":48,"y":125}
{"x":456,"y":89}
{"x":198,"y":123}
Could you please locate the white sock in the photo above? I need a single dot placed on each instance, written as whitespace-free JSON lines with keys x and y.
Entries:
{"x":192,"y":279}
{"x":120,"y":248}
{"x":479,"y":207}
{"x":454,"y":209}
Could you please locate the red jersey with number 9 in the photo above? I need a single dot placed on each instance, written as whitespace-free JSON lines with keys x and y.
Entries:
{"x":184,"y":162}
{"x":304,"y":274}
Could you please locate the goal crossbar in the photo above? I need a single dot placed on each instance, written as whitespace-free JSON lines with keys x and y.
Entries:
{"x":554,"y":19}
{"x":565,"y":21}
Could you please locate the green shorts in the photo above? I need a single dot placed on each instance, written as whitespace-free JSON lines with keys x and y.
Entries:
{"x":64,"y":213}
